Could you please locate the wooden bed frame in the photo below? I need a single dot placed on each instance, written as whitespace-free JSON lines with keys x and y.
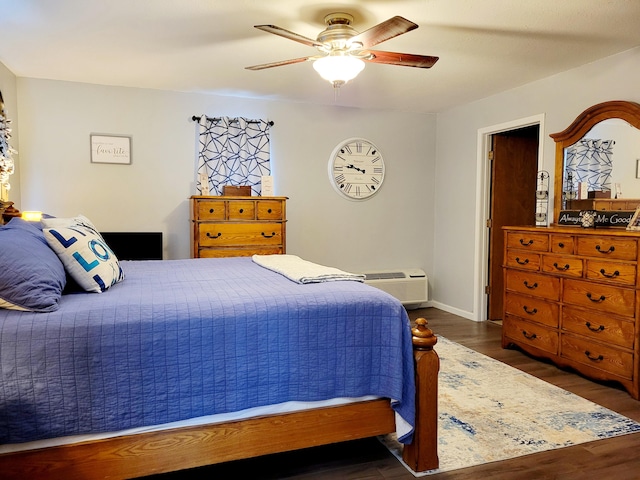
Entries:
{"x":180,"y":448}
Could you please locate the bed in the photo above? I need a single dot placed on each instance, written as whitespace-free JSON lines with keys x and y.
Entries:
{"x":183,"y":363}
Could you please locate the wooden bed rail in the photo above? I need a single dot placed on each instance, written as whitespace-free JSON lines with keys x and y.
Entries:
{"x":150,"y":453}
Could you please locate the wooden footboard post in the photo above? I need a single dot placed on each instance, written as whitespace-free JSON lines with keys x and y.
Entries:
{"x":422,"y":453}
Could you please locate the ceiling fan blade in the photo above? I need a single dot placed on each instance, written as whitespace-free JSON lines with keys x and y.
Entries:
{"x":402,"y":59}
{"x":278,"y":64}
{"x":384,"y":31}
{"x":290,"y":35}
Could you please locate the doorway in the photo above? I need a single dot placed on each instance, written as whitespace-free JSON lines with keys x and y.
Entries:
{"x":514,"y":167}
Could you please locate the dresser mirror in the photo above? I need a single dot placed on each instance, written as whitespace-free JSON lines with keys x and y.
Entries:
{"x":601,"y":148}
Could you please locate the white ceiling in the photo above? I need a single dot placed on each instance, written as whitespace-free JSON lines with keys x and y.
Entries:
{"x":485,"y":46}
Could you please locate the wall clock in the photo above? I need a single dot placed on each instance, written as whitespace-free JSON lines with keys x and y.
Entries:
{"x":356,"y":169}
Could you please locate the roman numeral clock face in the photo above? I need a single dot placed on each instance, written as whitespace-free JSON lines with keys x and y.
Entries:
{"x":356,"y":169}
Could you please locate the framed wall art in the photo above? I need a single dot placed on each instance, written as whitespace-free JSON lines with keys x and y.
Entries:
{"x":114,"y":149}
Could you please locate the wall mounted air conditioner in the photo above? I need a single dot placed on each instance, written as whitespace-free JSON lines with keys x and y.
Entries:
{"x":407,"y":285}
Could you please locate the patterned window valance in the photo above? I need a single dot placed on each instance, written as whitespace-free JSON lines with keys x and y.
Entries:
{"x":233,"y":151}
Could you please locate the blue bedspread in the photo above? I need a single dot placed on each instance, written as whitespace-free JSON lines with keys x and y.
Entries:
{"x":179,"y":339}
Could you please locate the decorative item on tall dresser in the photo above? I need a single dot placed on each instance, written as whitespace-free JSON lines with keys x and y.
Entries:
{"x":634,"y":223}
{"x":588,"y":218}
{"x":237,"y":226}
{"x":356,"y":169}
{"x":571,"y":296}
{"x":542,"y":197}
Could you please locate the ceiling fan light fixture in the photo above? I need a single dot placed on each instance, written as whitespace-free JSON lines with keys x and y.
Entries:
{"x":338,"y":69}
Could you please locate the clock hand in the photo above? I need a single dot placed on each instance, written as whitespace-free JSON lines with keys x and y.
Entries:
{"x":356,"y":168}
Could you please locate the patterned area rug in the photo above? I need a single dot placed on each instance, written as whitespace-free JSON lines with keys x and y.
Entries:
{"x":490,"y":411}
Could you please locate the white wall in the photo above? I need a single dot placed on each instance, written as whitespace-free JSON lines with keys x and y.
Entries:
{"x":424,"y":216}
{"x":9,"y":95}
{"x":393,"y":229}
{"x":561,"y":99}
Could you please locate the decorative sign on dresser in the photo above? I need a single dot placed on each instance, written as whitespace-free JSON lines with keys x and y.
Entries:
{"x":237,"y":226}
{"x":571,"y":295}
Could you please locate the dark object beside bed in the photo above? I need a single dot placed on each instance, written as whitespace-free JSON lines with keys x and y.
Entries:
{"x":135,"y":245}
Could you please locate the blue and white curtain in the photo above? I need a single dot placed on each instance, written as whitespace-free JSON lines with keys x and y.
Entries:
{"x":589,"y":161}
{"x":233,"y":151}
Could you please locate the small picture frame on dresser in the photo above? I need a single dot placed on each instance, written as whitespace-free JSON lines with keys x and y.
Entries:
{"x":634,"y":223}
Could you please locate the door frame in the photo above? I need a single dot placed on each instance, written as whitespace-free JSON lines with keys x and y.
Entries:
{"x":483,"y":200}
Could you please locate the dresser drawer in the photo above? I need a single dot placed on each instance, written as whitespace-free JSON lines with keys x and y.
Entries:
{"x":562,"y":244}
{"x":562,"y":265}
{"x":239,"y":252}
{"x":607,"y":247}
{"x":532,"y":309}
{"x":602,"y":327}
{"x":543,"y":286}
{"x":600,"y":298}
{"x":241,"y":210}
{"x":523,"y":259}
{"x":527,"y":333}
{"x":249,"y":234}
{"x":210,"y":210}
{"x":596,"y":355}
{"x":610,"y":272}
{"x":269,"y":210}
{"x":537,"y":242}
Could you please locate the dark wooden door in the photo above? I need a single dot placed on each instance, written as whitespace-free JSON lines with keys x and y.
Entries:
{"x":513,"y":202}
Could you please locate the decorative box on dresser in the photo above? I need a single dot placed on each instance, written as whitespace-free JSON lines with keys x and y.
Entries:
{"x":237,"y":226}
{"x":571,"y":296}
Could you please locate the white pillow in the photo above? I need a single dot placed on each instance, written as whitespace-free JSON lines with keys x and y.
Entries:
{"x":85,"y":255}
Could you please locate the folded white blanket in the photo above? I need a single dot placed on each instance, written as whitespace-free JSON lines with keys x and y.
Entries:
{"x":303,"y":271}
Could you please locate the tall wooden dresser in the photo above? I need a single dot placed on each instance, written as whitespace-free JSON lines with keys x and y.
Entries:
{"x":230,"y":226}
{"x":571,"y":296}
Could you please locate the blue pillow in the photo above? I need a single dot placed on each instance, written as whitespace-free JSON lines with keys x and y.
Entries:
{"x":32,"y":276}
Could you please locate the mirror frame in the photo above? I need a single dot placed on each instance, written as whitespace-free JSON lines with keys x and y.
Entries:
{"x":628,"y":111}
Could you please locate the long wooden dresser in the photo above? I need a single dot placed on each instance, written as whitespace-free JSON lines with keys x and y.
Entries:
{"x":571,"y":296}
{"x":230,"y":226}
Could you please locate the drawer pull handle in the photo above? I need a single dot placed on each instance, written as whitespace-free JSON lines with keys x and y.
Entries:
{"x":599,"y":358}
{"x":214,"y":236}
{"x":596,"y":300}
{"x":609,"y":275}
{"x":241,"y":210}
{"x":561,"y":245}
{"x":269,"y":211}
{"x":211,"y":210}
{"x":530,"y":287}
{"x":530,"y":242}
{"x":273,"y":234}
{"x":530,"y":312}
{"x":563,"y":268}
{"x":599,"y":329}
{"x":522,"y":262}
{"x":528,"y":336}
{"x":611,"y":249}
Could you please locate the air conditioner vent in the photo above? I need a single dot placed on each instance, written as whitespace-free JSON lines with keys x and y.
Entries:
{"x":384,"y":275}
{"x":408,"y":285}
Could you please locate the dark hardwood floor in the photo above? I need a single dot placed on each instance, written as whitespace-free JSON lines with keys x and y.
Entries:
{"x":615,"y":458}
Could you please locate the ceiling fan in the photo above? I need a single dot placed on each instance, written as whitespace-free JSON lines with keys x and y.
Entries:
{"x":343,"y":50}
